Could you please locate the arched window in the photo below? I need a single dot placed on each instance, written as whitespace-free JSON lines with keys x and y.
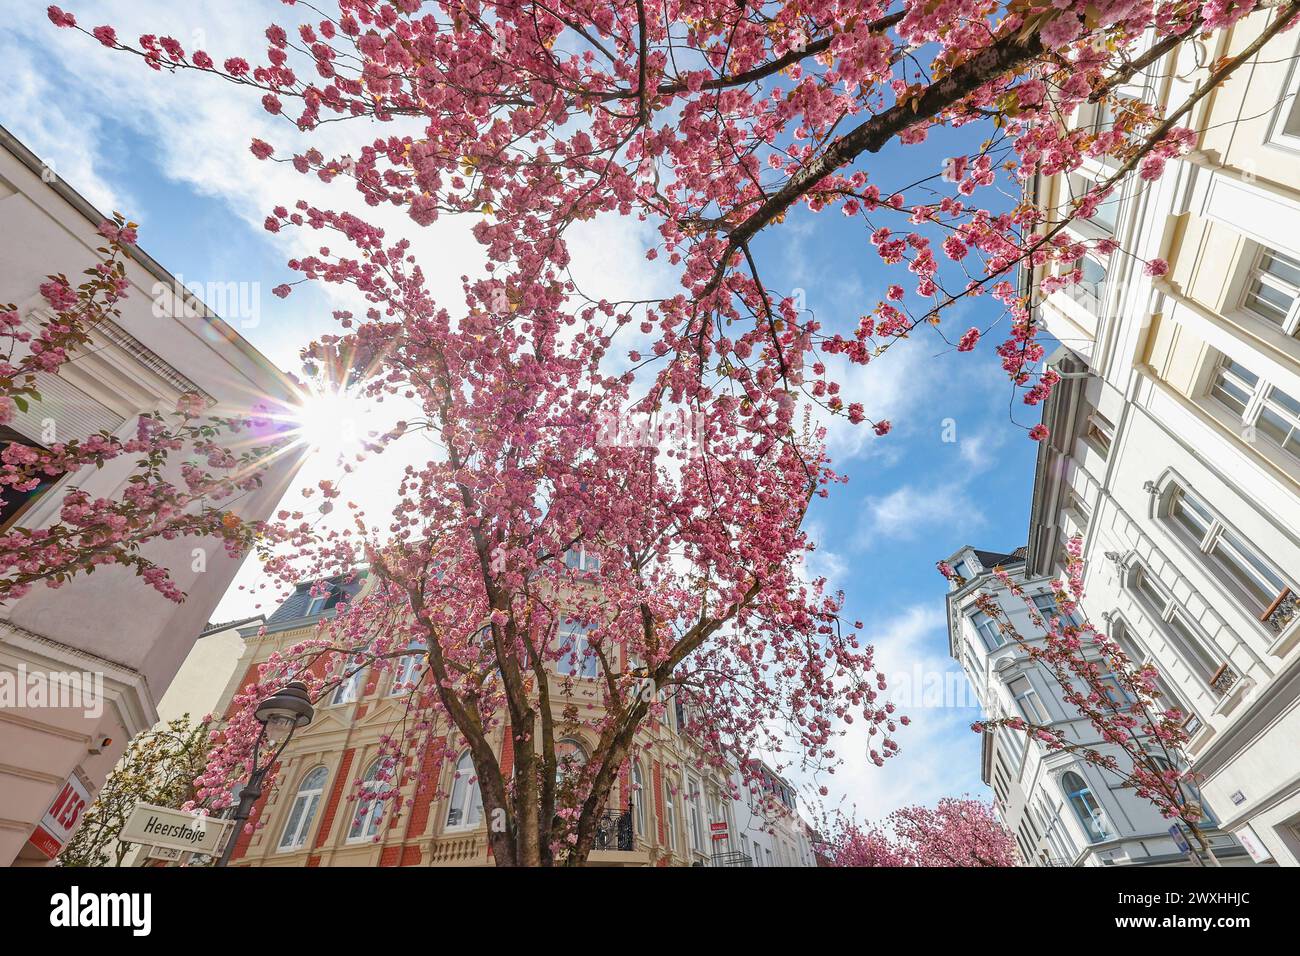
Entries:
{"x":370,"y":805}
{"x":466,"y":806}
{"x":1085,"y":805}
{"x":303,"y":811}
{"x":1256,"y":581}
{"x":570,"y":758}
{"x":1194,"y":651}
{"x":638,"y":797}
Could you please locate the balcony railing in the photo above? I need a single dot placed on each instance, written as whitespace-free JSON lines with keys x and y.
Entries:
{"x":614,"y":831}
{"x":731,"y":858}
{"x":1282,"y":611}
{"x":1223,"y":680}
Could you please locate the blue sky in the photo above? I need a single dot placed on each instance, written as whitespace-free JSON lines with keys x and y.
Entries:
{"x":172,"y":153}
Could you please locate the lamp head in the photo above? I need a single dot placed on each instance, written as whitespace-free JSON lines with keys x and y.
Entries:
{"x":285,"y":711}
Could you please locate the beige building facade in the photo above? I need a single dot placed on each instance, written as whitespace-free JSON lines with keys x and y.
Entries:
{"x":665,"y":809}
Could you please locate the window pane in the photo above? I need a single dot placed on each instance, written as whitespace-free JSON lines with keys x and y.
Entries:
{"x":1268,"y":303}
{"x":1278,"y":397}
{"x":1230,"y":395}
{"x":1191,"y":514}
{"x":1151,"y":594}
{"x":1235,"y":370}
{"x":1273,"y":425}
{"x":988,"y":630}
{"x":1281,"y":266}
{"x":1248,"y":569}
{"x":1191,"y":649}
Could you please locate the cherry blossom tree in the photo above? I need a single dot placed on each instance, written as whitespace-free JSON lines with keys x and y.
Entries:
{"x":185,"y":466}
{"x":545,"y":529}
{"x":957,"y":832}
{"x":159,"y":767}
{"x":1142,"y":737}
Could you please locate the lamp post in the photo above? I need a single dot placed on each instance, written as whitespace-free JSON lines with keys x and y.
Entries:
{"x":280,"y":715}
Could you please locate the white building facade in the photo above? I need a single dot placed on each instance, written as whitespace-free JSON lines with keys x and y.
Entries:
{"x":1175,"y":433}
{"x":766,"y":826}
{"x":1060,"y":810}
{"x":127,"y":639}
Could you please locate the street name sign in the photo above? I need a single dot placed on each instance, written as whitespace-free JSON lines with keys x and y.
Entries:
{"x":161,"y":826}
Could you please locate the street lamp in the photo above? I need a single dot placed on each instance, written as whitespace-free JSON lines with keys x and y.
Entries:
{"x":280,"y":715}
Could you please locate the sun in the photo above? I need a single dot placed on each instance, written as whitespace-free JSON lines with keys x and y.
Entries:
{"x":333,"y":422}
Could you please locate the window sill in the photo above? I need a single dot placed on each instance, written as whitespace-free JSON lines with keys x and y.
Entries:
{"x":461,"y":829}
{"x":1239,"y":692}
{"x":1284,"y":141}
{"x":1287,"y":640}
{"x":1199,"y":742}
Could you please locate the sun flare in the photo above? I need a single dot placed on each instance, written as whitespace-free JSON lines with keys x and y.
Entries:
{"x":334,"y":422}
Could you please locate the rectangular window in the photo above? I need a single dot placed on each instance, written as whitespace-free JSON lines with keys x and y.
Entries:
{"x":1115,"y":694}
{"x":988,"y":631}
{"x":1045,"y":604}
{"x":576,"y":655}
{"x":407,"y":671}
{"x":670,"y":817}
{"x":1279,"y":420}
{"x":350,"y":681}
{"x":1100,"y":433}
{"x":1262,"y":406}
{"x":1090,"y":291}
{"x":694,"y":814}
{"x":1106,"y":218}
{"x":1027,"y":701}
{"x":1286,"y":121}
{"x":1189,"y":646}
{"x":322,"y":598}
{"x":1273,"y":290}
{"x":1075,"y":502}
{"x":1139,"y":657}
{"x":13,"y":503}
{"x":580,"y":559}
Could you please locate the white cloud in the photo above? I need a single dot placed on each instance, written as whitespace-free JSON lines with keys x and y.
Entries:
{"x":939,"y":754}
{"x":906,"y":512}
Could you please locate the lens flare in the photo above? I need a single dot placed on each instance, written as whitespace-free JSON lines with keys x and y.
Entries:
{"x":333,"y":422}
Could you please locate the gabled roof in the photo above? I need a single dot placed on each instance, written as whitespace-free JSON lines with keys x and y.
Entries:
{"x":993,"y":559}
{"x":295,"y":605}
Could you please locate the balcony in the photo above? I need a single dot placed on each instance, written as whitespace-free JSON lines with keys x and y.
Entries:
{"x":1231,"y":687}
{"x":1223,"y":680}
{"x":614,"y":831}
{"x":1283,"y":610}
{"x":731,"y":858}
